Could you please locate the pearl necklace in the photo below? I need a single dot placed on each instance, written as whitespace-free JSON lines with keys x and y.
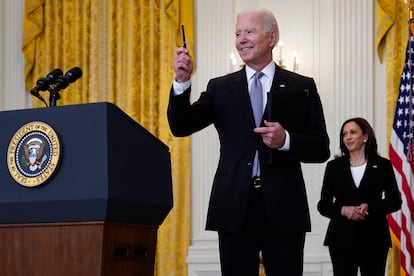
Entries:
{"x":358,"y":163}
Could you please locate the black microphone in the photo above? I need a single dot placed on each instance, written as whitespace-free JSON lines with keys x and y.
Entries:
{"x":43,"y":84}
{"x":62,"y":82}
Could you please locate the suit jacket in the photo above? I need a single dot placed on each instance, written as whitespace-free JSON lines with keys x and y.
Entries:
{"x":378,"y":188}
{"x":226,"y":104}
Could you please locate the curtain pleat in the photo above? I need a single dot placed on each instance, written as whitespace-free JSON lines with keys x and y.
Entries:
{"x":125,"y":49}
{"x":392,"y":35}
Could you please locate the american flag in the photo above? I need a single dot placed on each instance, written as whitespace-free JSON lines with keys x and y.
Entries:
{"x":402,"y":156}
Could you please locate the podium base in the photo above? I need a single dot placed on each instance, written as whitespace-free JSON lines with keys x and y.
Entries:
{"x":87,"y":248}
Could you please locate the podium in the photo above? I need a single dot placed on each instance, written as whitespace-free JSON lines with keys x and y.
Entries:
{"x":99,"y":210}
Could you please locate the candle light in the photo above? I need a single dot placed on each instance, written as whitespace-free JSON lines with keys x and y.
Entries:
{"x":233,"y":58}
{"x":295,"y":61}
{"x":280,"y":46}
{"x":235,"y":63}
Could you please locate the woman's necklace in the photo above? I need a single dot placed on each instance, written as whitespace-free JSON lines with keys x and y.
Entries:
{"x":357,"y":163}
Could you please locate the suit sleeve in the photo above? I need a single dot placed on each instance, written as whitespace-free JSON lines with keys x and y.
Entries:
{"x":327,"y":206}
{"x":390,"y":200}
{"x":185,"y":118}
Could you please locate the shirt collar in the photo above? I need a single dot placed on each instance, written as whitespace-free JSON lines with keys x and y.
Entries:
{"x":268,"y":71}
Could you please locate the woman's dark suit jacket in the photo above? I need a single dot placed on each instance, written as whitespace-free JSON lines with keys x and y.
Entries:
{"x":226,"y":104}
{"x":378,"y":188}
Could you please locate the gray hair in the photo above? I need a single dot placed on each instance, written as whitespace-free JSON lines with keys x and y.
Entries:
{"x":269,"y":20}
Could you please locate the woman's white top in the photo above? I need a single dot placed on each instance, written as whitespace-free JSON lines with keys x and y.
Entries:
{"x":357,"y":173}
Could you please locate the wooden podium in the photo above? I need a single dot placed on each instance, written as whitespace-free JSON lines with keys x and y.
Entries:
{"x":99,"y":212}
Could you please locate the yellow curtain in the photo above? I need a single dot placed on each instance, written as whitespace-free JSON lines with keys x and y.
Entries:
{"x":392,"y":38}
{"x":125,"y":49}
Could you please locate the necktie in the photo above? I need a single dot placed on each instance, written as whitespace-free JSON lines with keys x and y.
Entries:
{"x":256,"y":99}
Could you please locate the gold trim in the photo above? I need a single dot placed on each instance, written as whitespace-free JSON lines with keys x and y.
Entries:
{"x":44,"y":166}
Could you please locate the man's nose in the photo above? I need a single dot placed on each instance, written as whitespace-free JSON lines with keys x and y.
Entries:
{"x":242,"y":37}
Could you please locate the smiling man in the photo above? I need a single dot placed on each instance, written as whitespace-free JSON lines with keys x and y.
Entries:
{"x":258,"y":200}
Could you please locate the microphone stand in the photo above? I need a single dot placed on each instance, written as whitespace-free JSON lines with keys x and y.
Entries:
{"x":54,"y":97}
{"x":35,"y":93}
{"x":43,"y":100}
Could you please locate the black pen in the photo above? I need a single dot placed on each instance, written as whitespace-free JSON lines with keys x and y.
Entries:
{"x":183,"y":36}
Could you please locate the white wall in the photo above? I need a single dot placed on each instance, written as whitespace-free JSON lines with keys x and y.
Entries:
{"x":334,"y":40}
{"x":12,"y":90}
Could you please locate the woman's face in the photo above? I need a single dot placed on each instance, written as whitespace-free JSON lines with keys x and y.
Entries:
{"x":353,"y":138}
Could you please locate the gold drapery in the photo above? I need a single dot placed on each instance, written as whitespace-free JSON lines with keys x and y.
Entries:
{"x":392,"y":37}
{"x":125,"y":50}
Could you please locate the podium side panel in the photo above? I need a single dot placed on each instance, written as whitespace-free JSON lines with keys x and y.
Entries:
{"x":140,"y":172}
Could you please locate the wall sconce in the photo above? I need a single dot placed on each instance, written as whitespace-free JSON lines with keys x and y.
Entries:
{"x":280,"y":56}
{"x":278,"y":51}
{"x":233,"y":59}
{"x":295,"y":61}
{"x":235,"y":63}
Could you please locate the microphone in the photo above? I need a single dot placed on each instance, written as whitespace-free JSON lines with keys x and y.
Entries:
{"x":43,"y":84}
{"x":62,"y":82}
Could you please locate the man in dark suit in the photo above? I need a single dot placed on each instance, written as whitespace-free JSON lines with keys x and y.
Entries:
{"x":254,"y":207}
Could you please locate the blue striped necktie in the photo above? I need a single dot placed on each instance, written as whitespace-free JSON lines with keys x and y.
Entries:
{"x":256,"y":99}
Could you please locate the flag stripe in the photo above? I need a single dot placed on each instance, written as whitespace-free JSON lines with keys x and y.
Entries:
{"x":402,"y":232}
{"x":402,"y":159}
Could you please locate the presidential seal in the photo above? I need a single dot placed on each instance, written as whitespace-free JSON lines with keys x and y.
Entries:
{"x":34,"y":154}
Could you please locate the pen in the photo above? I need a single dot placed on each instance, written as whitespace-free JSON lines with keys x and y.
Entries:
{"x":183,"y":36}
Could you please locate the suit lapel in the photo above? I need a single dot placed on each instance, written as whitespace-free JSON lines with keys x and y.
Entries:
{"x":279,"y":80}
{"x":240,"y":93}
{"x":371,"y":165}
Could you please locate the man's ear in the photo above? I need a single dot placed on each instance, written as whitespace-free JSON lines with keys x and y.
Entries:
{"x":273,"y":38}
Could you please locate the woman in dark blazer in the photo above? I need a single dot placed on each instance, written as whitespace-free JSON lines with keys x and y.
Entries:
{"x":359,"y":191}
